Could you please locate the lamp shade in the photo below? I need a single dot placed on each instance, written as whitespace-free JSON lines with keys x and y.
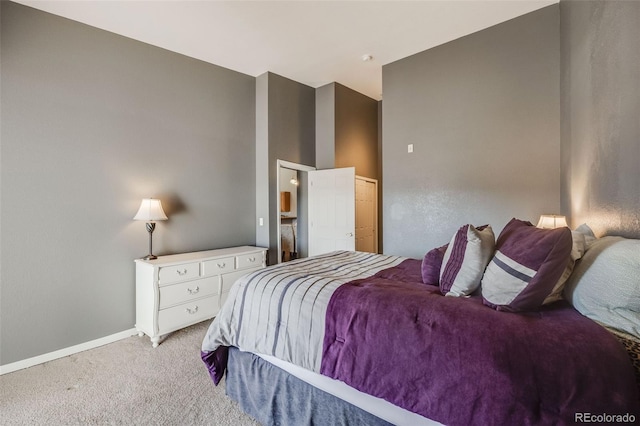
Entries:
{"x":551,"y":221}
{"x":150,"y":210}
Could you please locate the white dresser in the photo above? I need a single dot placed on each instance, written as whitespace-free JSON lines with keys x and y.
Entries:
{"x":173,"y":292}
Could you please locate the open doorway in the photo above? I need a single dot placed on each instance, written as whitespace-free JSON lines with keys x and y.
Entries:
{"x":289,"y":184}
{"x":292,"y":211}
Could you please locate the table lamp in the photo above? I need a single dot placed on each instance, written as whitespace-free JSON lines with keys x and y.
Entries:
{"x":150,"y":210}
{"x":551,"y":221}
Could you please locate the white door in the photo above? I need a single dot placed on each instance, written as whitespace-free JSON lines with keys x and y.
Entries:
{"x":331,"y":210}
{"x":366,"y":214}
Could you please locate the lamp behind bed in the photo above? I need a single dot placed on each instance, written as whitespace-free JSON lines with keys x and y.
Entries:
{"x":551,"y":221}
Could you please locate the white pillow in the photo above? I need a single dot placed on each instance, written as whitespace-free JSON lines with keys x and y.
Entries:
{"x":589,"y":236}
{"x":465,"y":260}
{"x":577,"y":251}
{"x":605,"y":284}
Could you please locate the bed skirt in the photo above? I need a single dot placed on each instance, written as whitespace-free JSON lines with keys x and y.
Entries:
{"x":274,"y":397}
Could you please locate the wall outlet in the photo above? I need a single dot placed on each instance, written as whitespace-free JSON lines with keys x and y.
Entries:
{"x":410,"y":148}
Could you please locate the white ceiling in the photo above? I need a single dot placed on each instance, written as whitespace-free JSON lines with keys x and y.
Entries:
{"x":312,"y":42}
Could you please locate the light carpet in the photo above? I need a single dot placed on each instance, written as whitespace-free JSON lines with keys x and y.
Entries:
{"x":123,"y":383}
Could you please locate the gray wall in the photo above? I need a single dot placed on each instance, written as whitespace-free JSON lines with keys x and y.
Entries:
{"x":286,"y":131}
{"x":1,"y":237}
{"x":91,"y":123}
{"x":347,"y":130}
{"x":356,"y":131}
{"x":326,"y":126}
{"x":600,"y":113}
{"x":483,"y":115}
{"x":263,"y":235}
{"x":380,"y":178}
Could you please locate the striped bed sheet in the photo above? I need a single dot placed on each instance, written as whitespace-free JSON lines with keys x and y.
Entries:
{"x":281,"y":310}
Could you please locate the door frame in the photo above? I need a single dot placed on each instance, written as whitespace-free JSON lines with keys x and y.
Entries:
{"x":292,"y":166}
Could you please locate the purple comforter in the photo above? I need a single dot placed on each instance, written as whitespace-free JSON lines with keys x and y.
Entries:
{"x":461,"y":363}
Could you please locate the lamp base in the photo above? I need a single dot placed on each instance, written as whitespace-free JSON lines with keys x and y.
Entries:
{"x":150,"y":257}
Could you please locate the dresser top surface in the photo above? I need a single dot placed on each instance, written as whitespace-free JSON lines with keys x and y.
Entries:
{"x":197,"y":256}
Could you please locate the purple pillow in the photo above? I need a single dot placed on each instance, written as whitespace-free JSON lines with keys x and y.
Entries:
{"x":465,"y":260}
{"x":431,"y":265}
{"x":526,"y":266}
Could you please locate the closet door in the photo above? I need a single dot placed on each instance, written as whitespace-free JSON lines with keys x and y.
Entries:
{"x":366,"y":214}
{"x":331,"y":210}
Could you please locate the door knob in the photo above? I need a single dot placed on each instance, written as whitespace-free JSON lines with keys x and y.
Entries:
{"x":350,"y":234}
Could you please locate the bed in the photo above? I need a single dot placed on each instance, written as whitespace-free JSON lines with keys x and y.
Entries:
{"x":360,"y":338}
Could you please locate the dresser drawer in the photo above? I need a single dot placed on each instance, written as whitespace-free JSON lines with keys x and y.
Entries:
{"x":252,"y":260}
{"x":186,"y":314}
{"x":182,"y":292}
{"x":218,"y":266}
{"x":176,"y":273}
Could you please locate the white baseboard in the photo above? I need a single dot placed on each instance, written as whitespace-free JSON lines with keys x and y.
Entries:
{"x":40,"y":359}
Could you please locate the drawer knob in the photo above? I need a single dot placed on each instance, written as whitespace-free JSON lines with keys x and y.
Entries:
{"x":221,"y":265}
{"x":193,"y":290}
{"x":181,"y":273}
{"x":193,"y":310}
{"x":252,"y":259}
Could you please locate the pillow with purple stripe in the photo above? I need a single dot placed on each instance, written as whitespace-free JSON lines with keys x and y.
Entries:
{"x":465,"y":260}
{"x":527,"y":264}
{"x":431,"y":265}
